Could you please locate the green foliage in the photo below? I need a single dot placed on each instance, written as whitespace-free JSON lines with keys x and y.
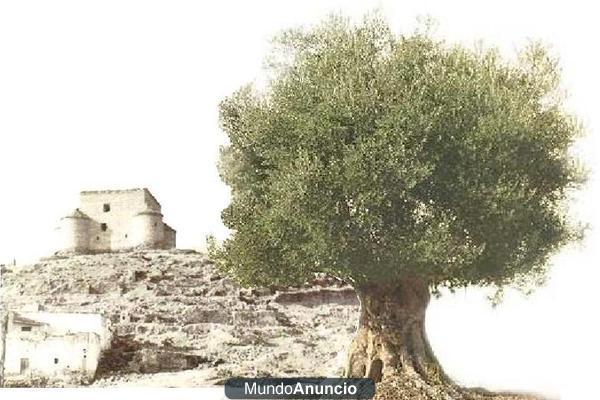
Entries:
{"x":371,"y":156}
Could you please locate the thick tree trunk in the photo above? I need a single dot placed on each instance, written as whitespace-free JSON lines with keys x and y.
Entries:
{"x":391,"y":347}
{"x":391,"y":339}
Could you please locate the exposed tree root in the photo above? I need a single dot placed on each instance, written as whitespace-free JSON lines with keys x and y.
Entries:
{"x":391,"y":347}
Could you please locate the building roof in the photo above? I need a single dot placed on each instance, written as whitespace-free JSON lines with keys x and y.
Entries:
{"x":77,"y":214}
{"x":71,"y":322}
{"x":109,"y":191}
{"x":149,"y":211}
{"x":168,"y":227}
{"x":19,"y":319}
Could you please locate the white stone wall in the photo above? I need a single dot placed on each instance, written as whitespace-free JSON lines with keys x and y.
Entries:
{"x":118,"y":219}
{"x":74,"y":233}
{"x":63,"y":323}
{"x":54,"y":350}
{"x":123,"y":206}
{"x":100,"y":240}
{"x":151,"y":201}
{"x":52,"y":356}
{"x":148,"y":229}
{"x":170,"y":238}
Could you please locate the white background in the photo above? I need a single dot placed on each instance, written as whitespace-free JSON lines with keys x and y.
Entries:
{"x":118,"y":94}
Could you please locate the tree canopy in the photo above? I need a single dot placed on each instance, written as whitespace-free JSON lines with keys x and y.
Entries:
{"x":372,"y":156}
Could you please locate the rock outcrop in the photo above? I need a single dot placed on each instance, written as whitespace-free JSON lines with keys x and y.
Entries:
{"x":173,"y":315}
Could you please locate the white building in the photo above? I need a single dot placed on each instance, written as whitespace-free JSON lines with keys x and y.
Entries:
{"x":54,"y":345}
{"x":115,"y":219}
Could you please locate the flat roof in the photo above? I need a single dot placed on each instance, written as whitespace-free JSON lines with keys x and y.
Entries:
{"x":109,"y":191}
{"x":112,"y":191}
{"x":19,"y":319}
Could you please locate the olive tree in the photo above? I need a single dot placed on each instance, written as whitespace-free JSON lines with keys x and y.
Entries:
{"x":401,"y":165}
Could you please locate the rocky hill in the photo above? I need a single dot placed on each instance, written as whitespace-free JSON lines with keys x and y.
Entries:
{"x":177,"y":322}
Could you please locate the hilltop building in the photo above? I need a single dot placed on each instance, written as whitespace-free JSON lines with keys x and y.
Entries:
{"x":108,"y":220}
{"x":54,"y":345}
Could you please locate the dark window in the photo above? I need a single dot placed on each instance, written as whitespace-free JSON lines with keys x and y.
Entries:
{"x":155,"y":224}
{"x":125,"y":236}
{"x":375,"y":372}
{"x":56,"y":361}
{"x":97,"y":237}
{"x":104,"y":227}
{"x":24,"y":365}
{"x":106,"y":207}
{"x":25,"y":329}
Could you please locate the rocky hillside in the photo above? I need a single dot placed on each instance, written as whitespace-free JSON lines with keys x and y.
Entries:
{"x":172,"y":311}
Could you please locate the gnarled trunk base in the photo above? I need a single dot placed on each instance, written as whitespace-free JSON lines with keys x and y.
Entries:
{"x":391,"y":346}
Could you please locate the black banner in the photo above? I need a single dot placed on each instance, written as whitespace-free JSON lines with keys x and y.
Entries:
{"x":299,"y":388}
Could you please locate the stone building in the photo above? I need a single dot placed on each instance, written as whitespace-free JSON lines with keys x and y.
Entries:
{"x":109,"y":220}
{"x":54,"y":345}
